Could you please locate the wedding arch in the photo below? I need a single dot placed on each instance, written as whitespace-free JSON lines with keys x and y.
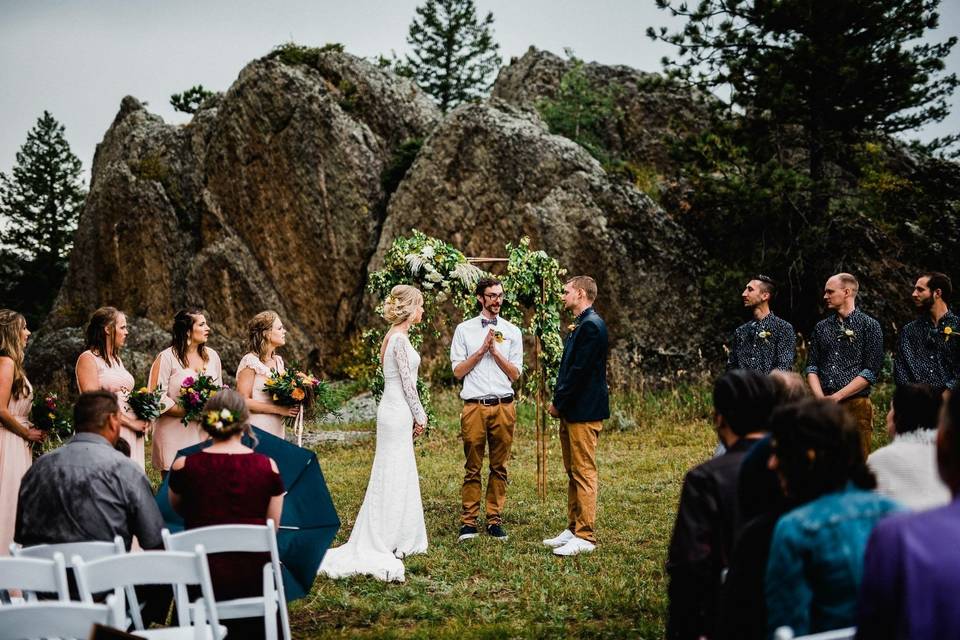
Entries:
{"x":533,"y":286}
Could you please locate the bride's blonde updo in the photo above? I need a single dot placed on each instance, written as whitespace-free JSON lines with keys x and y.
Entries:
{"x":401,"y":303}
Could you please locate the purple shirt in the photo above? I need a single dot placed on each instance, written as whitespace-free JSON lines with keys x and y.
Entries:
{"x":912,"y":576}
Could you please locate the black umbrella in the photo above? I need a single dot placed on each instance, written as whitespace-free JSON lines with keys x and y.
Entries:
{"x":309,"y":521}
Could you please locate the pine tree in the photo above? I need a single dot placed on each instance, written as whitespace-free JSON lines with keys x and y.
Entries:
{"x":190,"y":100}
{"x":816,"y":74}
{"x":39,"y":205}
{"x":454,"y":53}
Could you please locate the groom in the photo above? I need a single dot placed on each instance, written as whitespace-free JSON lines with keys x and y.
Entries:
{"x":487,"y":354}
{"x":580,"y":400}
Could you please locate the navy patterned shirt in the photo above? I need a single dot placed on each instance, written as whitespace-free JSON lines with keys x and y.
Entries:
{"x":763,"y":345}
{"x":929,"y":353}
{"x":842,"y":349}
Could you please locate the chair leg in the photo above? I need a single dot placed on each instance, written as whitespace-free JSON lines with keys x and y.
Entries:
{"x":269,"y":603}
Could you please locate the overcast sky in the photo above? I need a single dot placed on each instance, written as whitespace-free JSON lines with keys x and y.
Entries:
{"x":78,"y":58}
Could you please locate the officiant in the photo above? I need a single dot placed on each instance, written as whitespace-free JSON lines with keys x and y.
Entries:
{"x":487,"y":355}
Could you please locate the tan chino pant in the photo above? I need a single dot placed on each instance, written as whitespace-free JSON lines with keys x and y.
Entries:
{"x":480,"y":425}
{"x":861,"y":409}
{"x":578,"y":440}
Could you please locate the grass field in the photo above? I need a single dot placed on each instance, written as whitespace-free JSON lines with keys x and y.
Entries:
{"x":486,"y":589}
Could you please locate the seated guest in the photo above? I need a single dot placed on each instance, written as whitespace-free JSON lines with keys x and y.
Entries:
{"x":816,"y":554}
{"x":703,"y":532}
{"x":86,"y":489}
{"x":911,"y":571}
{"x":760,"y":504}
{"x":228,"y":483}
{"x":906,"y":469}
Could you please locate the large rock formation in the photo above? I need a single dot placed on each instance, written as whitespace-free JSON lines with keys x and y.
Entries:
{"x":651,"y":110}
{"x":270,"y":197}
{"x":492,"y":173}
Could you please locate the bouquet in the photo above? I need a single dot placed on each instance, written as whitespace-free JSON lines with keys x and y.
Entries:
{"x":194,"y":393}
{"x":295,"y":387}
{"x":47,"y":414}
{"x":145,"y":404}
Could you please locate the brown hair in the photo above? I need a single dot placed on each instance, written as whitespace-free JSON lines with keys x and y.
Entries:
{"x":92,"y":409}
{"x":937,"y":280}
{"x":234,"y":403}
{"x":849,"y":281}
{"x":257,"y":330}
{"x":182,"y":326}
{"x":104,"y":318}
{"x":11,"y":324}
{"x":588,"y":284}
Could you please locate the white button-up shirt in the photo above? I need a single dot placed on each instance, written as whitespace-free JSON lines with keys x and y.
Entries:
{"x":486,"y":379}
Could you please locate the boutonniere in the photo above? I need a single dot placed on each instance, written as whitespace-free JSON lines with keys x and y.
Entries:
{"x":847,"y":333}
{"x":572,"y":326}
{"x":947,"y":332}
{"x":764,"y":335}
{"x":498,"y":337}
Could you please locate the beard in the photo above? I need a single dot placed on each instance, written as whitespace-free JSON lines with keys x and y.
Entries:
{"x":492,"y":309}
{"x":924,"y":304}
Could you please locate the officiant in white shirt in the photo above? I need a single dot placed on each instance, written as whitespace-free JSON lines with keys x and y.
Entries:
{"x":487,"y":355}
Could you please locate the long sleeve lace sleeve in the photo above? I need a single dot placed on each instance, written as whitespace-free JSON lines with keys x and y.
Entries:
{"x":408,"y":382}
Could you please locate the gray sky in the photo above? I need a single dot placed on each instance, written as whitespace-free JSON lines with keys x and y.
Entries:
{"x":78,"y":58}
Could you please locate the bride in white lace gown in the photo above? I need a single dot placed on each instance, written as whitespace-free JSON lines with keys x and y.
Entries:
{"x":390,"y":524}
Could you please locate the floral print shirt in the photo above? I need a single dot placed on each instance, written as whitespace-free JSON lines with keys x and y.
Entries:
{"x":929,"y":353}
{"x":763,"y":345}
{"x":843,"y":348}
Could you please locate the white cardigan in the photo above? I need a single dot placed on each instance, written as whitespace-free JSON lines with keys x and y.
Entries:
{"x":906,"y":470}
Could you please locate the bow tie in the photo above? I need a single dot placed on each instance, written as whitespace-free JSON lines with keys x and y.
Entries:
{"x":484,"y":322}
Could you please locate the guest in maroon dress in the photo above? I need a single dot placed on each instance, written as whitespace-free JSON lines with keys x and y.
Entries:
{"x":228,"y":483}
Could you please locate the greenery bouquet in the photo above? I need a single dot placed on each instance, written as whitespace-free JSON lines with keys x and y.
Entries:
{"x":49,"y":415}
{"x":145,"y":404}
{"x":194,"y":393}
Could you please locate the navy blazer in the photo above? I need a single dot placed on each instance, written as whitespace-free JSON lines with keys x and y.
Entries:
{"x":581,"y":394}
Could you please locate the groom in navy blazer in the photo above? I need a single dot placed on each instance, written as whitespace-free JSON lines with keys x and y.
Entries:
{"x":581,"y":401}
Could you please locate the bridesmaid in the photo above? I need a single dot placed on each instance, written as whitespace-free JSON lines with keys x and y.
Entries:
{"x":100,"y":367}
{"x":187,"y":356}
{"x":16,"y":430}
{"x":266,"y":333}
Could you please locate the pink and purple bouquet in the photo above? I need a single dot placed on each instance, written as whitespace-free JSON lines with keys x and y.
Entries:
{"x":194,"y":393}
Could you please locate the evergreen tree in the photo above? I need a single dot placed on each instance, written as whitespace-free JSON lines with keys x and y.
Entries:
{"x":39,"y":205}
{"x":814,"y":74}
{"x":454,"y":53}
{"x":190,"y":100}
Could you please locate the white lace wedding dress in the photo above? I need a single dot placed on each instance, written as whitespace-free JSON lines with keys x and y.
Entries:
{"x":390,"y":524}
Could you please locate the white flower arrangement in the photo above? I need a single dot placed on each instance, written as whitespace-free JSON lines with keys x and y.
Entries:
{"x":428,"y":252}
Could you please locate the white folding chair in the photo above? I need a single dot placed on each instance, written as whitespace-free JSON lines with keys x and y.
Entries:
{"x":243,"y":538}
{"x":180,"y":569}
{"x":786,"y":633}
{"x":92,"y":550}
{"x":35,"y":575}
{"x":53,"y":619}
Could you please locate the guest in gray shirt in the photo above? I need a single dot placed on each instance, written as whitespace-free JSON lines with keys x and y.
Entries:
{"x":86,"y":489}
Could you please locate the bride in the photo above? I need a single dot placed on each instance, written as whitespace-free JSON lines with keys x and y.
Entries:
{"x":390,"y":523}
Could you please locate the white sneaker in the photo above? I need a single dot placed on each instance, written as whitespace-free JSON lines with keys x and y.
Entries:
{"x":560,"y":540}
{"x":574,"y":546}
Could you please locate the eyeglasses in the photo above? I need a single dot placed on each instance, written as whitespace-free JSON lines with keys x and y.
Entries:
{"x":493,"y":296}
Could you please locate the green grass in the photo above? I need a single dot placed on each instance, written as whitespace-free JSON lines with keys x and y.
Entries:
{"x":484,"y":588}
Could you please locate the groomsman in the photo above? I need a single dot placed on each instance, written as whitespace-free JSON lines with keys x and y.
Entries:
{"x":487,"y":354}
{"x":766,"y":342}
{"x":846,"y":354}
{"x":580,"y":400}
{"x":927,"y":349}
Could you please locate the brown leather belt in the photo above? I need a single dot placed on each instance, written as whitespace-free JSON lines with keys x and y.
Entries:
{"x":490,"y":402}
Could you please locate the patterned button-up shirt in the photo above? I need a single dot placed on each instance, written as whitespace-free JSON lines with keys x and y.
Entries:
{"x":763,"y":345}
{"x":842,"y":349}
{"x":929,"y":353}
